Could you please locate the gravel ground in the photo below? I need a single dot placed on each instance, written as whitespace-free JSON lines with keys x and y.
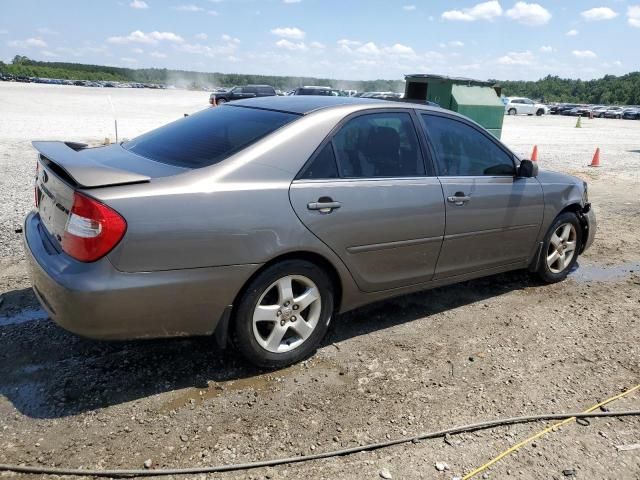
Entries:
{"x":500,"y":346}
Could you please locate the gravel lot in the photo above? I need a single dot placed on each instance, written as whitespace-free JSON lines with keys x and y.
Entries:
{"x":495,"y":347}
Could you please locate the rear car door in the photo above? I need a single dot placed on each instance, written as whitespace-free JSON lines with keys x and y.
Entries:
{"x":367,"y":194}
{"x":492,"y":216}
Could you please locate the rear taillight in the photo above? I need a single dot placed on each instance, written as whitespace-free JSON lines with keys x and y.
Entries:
{"x":92,"y":230}
{"x":35,"y":184}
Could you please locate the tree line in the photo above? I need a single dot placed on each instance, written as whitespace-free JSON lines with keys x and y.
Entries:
{"x":610,"y":89}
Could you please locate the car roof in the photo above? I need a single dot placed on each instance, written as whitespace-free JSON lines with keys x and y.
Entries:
{"x":305,"y":104}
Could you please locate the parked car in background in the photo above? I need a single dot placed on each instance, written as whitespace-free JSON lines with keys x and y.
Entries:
{"x":613,"y":112}
{"x":580,"y":111}
{"x":631,"y":113}
{"x":239,"y":93}
{"x":564,"y":108}
{"x":598,"y":111}
{"x":315,"y":90}
{"x":524,"y":106}
{"x":260,"y":221}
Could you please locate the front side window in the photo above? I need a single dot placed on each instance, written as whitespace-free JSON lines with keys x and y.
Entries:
{"x":379,"y":145}
{"x":236,"y":90}
{"x":463,"y":151}
{"x":209,"y":136}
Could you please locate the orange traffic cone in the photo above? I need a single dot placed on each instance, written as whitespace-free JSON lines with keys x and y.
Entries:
{"x":596,"y":158}
{"x":534,"y":154}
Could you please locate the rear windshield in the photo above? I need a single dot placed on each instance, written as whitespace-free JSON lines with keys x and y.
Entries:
{"x":209,"y":136}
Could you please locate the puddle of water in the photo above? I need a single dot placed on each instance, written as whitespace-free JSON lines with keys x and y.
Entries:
{"x":23,"y":316}
{"x":598,"y":273}
{"x":257,"y":383}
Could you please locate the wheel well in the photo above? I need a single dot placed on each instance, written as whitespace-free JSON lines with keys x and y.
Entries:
{"x":314,"y":258}
{"x":577,"y":209}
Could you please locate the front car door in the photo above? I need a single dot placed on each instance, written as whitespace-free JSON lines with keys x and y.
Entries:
{"x":367,"y":194}
{"x":492,"y":216}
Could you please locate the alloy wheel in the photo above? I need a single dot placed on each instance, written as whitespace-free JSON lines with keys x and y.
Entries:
{"x":287,"y":313}
{"x":562,"y":248}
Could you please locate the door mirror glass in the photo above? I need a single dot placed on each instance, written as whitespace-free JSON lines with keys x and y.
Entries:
{"x":528,"y":169}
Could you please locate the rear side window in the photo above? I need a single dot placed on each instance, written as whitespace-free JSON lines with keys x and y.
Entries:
{"x":323,"y":166}
{"x":208,"y":137}
{"x":379,"y":145}
{"x":463,"y":151}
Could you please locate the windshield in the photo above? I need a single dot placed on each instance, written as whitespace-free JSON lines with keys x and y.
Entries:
{"x":209,"y":136}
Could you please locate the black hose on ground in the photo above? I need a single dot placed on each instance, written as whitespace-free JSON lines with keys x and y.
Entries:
{"x":306,"y":458}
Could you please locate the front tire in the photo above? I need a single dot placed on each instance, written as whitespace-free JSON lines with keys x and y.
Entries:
{"x":512,"y":111}
{"x":540,"y":112}
{"x":560,"y":248}
{"x":283,"y":314}
{"x":220,"y":101}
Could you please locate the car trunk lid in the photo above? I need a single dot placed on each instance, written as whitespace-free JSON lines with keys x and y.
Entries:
{"x":64,"y":167}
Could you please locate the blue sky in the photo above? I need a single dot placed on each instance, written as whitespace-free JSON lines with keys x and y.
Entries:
{"x":345,"y":39}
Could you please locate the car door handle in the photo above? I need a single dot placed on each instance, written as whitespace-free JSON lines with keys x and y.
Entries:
{"x":458,"y":199}
{"x":324,"y":207}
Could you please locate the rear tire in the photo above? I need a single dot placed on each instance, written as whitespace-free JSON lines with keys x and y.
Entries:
{"x":560,"y":248}
{"x":283,"y":314}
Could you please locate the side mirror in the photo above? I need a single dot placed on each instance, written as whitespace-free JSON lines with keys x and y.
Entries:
{"x":528,"y":169}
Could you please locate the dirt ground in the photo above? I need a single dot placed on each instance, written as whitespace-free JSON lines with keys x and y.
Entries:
{"x":496,"y":347}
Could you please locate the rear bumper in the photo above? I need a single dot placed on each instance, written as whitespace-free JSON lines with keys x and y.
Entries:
{"x":96,"y":300}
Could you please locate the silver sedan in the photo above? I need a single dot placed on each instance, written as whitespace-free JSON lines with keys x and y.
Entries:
{"x":259,"y":221}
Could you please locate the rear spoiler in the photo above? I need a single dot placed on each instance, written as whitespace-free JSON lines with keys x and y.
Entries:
{"x":78,"y":164}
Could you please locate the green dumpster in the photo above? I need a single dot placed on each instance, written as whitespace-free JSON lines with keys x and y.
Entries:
{"x":475,"y":99}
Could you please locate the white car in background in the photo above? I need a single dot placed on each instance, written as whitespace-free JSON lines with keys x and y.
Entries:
{"x":524,"y":106}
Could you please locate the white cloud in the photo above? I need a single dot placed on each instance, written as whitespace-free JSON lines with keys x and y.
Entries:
{"x":201,"y":36}
{"x":213,"y":13}
{"x":137,"y":50}
{"x":4,"y":32}
{"x":317,"y":45}
{"x":129,"y":60}
{"x":47,"y":31}
{"x":150,"y":38}
{"x":291,"y":1}
{"x":289,"y":45}
{"x":633,"y":14}
{"x":293,"y":33}
{"x":452,"y":44}
{"x":584,"y":54}
{"x":369,"y":48}
{"x":517,"y":58}
{"x":409,"y":8}
{"x":158,"y":55}
{"x":139,"y":4}
{"x":481,"y":11}
{"x":572,"y":33}
{"x":399,"y":49}
{"x":49,"y":53}
{"x":188,"y":8}
{"x":599,"y":13}
{"x":617,"y":63}
{"x":546,"y":49}
{"x":529,"y":13}
{"x":28,"y":43}
{"x":229,"y":38}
